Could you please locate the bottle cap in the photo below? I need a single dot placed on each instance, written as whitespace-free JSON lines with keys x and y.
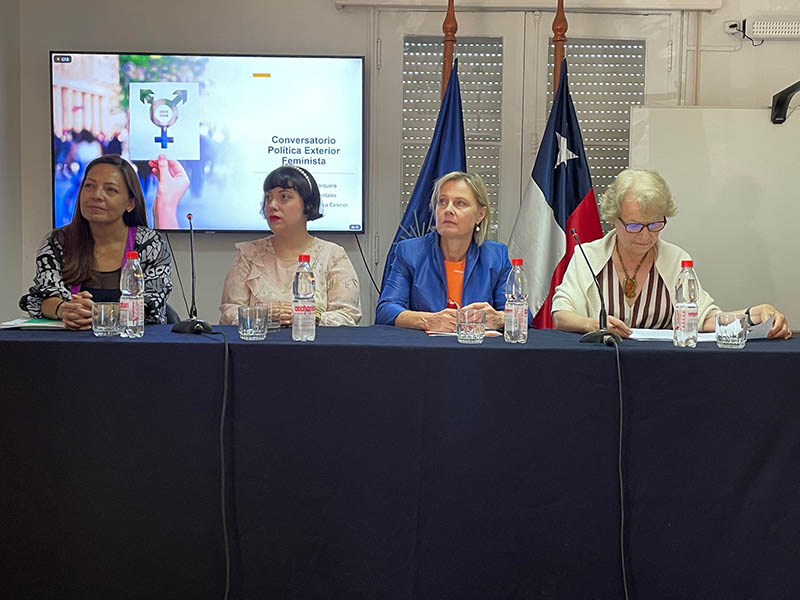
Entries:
{"x":686,"y":263}
{"x":304,"y":258}
{"x":516,"y":262}
{"x":131,"y":255}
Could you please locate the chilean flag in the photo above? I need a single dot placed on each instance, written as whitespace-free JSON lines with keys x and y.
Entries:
{"x":558,"y":197}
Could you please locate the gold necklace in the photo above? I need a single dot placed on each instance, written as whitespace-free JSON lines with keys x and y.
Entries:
{"x":629,"y":285}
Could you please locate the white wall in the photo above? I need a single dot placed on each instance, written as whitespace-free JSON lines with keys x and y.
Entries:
{"x":738,"y":203}
{"x":10,"y":224}
{"x":233,"y":26}
{"x":751,"y":75}
{"x":747,"y":77}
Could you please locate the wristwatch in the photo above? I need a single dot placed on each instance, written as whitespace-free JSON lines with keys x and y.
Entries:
{"x":749,"y":320}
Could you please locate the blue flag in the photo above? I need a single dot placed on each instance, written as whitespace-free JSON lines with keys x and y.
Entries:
{"x":447,"y":153}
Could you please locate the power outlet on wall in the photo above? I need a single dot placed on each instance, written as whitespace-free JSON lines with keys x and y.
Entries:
{"x":732,"y":27}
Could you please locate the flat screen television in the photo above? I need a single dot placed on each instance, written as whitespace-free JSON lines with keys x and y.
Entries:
{"x":227,"y":120}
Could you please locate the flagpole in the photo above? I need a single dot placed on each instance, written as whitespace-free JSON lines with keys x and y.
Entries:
{"x":559,"y":39}
{"x":449,"y":28}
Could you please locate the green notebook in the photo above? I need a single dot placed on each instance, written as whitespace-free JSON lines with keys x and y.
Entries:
{"x":32,"y":324}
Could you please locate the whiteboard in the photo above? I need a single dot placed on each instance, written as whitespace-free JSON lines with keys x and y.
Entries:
{"x":736,"y":178}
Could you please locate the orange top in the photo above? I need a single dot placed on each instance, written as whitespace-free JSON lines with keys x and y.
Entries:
{"x":454,"y":271}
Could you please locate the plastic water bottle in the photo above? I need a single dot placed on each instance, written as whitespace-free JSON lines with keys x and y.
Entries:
{"x":304,"y":326}
{"x":685,"y":315}
{"x":131,"y":301}
{"x":516,"y":315}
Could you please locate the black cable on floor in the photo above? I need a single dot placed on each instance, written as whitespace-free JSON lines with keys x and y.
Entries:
{"x":610,"y":341}
{"x":222,"y":484}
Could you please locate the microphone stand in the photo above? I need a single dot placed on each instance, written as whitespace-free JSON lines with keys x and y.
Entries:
{"x":192,"y":324}
{"x":603,"y":335}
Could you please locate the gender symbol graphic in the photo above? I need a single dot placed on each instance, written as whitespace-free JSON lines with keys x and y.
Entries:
{"x":163,"y":112}
{"x":165,"y":119}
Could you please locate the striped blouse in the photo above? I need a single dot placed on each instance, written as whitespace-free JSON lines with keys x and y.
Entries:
{"x":653,"y":307}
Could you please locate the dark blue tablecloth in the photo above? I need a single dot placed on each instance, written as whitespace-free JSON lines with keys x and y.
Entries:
{"x":382,"y":463}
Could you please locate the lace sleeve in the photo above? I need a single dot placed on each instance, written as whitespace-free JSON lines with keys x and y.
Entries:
{"x":344,"y":303}
{"x":235,"y":292}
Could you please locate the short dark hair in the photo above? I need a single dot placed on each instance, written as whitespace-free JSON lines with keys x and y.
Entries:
{"x":298,"y":179}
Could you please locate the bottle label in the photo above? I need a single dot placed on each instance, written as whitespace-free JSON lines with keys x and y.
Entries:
{"x":679,"y":319}
{"x":304,"y":308}
{"x":685,"y":318}
{"x":516,"y":315}
{"x":137,"y":315}
{"x":131,"y":312}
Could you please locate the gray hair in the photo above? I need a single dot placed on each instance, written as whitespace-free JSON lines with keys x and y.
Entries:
{"x":648,"y":189}
{"x":475,"y":183}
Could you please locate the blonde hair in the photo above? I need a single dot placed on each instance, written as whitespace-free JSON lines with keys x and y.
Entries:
{"x":648,"y":189}
{"x":475,"y":183}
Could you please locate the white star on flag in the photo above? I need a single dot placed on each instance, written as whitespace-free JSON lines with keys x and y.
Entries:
{"x":564,"y":153}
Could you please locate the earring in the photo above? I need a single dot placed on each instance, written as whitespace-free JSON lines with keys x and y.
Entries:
{"x":478,"y":227}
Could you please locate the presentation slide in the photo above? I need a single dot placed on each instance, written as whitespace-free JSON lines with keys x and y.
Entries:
{"x":226,"y":120}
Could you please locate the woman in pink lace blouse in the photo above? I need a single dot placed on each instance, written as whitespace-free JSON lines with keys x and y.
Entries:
{"x":263,"y":269}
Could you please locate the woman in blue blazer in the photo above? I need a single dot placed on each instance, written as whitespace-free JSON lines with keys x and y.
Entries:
{"x":452,"y":267}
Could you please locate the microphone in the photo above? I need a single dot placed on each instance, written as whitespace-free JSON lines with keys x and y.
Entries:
{"x":602,"y":335}
{"x":192,"y":324}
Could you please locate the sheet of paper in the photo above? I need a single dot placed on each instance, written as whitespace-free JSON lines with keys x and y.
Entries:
{"x":12,"y":324}
{"x":663,"y":335}
{"x":760,"y":331}
{"x":757,"y":332}
{"x":32,"y":324}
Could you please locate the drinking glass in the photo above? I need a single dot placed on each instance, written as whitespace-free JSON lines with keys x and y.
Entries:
{"x":471,"y":325}
{"x":731,"y":330}
{"x":105,"y":318}
{"x":253,"y":323}
{"x":274,"y":315}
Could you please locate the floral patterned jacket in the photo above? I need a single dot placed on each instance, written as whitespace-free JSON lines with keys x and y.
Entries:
{"x":156,"y":262}
{"x":258,"y":274}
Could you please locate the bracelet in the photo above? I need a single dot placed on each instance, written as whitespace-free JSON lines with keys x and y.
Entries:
{"x":57,"y":307}
{"x":749,"y":320}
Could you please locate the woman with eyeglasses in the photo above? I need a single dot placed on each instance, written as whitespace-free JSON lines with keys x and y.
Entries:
{"x":635,"y":268}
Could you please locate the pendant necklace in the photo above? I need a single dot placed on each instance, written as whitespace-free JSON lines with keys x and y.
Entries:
{"x":629,"y":285}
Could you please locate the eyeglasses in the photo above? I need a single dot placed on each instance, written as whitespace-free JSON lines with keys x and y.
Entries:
{"x":637,"y":227}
